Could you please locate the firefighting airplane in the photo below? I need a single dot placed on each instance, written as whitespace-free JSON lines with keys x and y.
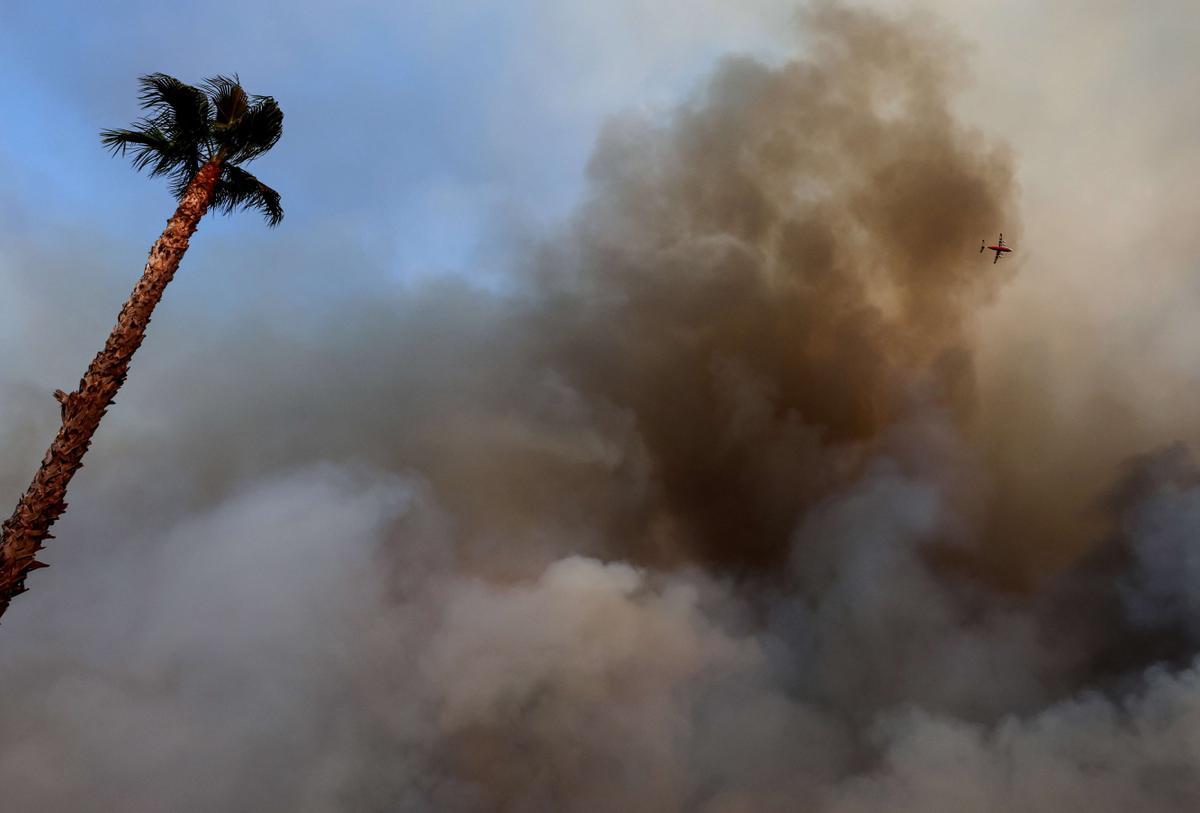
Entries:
{"x":999,"y":248}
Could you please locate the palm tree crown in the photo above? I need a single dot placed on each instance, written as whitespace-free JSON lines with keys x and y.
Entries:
{"x":186,"y":127}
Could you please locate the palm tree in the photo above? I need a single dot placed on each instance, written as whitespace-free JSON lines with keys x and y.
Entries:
{"x":198,"y":138}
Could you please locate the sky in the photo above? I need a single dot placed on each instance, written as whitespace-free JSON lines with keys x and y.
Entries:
{"x":469,"y":112}
{"x":622,"y":416}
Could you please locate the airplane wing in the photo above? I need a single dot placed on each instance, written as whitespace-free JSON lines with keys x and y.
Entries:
{"x":997,"y":258}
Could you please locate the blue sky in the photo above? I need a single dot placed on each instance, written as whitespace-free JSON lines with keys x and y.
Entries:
{"x":412,"y":129}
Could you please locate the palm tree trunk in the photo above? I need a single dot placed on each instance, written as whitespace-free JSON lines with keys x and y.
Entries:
{"x":21,"y":536}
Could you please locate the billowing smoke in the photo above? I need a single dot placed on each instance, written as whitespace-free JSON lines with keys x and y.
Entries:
{"x":705,"y":509}
{"x":762,"y":283}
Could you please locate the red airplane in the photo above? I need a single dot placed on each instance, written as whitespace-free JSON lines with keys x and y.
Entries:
{"x":999,"y":248}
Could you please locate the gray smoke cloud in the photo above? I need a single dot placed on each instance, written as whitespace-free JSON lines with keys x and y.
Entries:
{"x":704,"y":511}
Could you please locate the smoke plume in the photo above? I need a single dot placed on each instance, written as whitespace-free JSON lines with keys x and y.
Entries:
{"x":709,"y":508}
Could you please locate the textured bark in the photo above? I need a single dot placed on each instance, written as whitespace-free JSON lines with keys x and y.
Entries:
{"x":44,"y":501}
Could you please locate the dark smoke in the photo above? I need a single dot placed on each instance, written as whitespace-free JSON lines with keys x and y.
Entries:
{"x":773,"y":277}
{"x":705,"y":512}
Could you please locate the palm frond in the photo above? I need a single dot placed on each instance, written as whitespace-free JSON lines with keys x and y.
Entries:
{"x":179,"y":110}
{"x":169,"y":138}
{"x":254,"y":133}
{"x":238,"y":189}
{"x":228,"y":98}
{"x":145,"y":143}
{"x":153,"y":149}
{"x":186,"y":126}
{"x":182,"y":176}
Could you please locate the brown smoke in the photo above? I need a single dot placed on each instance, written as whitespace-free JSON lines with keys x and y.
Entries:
{"x":762,"y":281}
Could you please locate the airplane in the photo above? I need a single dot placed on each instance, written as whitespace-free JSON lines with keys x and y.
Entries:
{"x":999,"y":248}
